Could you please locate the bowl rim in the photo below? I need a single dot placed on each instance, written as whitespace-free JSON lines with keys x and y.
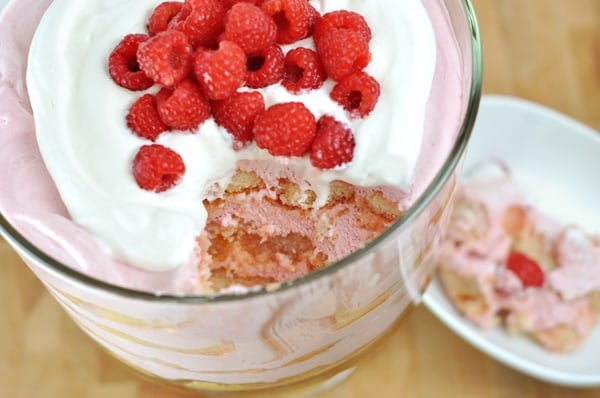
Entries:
{"x":17,"y":240}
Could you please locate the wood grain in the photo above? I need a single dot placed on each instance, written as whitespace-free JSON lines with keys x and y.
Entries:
{"x":543,"y":50}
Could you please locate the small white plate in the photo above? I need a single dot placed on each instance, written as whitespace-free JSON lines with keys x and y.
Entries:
{"x":557,"y":161}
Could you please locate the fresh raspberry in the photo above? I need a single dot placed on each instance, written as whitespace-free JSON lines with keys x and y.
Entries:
{"x":528,"y":271}
{"x":123,"y":65}
{"x":230,"y":3}
{"x":313,"y":18}
{"x":249,"y":27}
{"x":342,"y":19}
{"x":157,"y":168}
{"x":333,"y":145}
{"x":183,"y":107}
{"x":303,"y":70}
{"x":285,"y":129}
{"x":221,"y":72}
{"x":265,"y":68}
{"x":162,"y":15}
{"x":342,"y":52}
{"x":238,"y":113}
{"x":292,"y":18}
{"x":201,"y":21}
{"x":166,"y":57}
{"x":143,"y":118}
{"x":358,"y":93}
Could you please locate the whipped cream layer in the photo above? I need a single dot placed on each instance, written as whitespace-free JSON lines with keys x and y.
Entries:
{"x":88,"y":149}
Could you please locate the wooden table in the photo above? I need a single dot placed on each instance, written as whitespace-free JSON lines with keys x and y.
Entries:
{"x":544,"y":50}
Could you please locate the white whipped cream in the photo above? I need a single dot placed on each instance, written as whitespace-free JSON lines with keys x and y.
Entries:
{"x":88,"y":149}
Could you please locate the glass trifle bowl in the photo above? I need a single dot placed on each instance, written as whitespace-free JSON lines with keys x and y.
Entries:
{"x":300,"y":332}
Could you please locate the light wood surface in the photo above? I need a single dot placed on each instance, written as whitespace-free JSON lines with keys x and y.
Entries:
{"x":544,"y":50}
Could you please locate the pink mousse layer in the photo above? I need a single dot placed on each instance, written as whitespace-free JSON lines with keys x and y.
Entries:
{"x":30,"y":201}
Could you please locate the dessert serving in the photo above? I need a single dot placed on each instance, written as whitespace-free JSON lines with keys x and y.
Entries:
{"x":275,"y":126}
{"x":506,"y":263}
{"x":232,"y":195}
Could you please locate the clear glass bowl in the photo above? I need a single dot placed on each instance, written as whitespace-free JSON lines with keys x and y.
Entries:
{"x":305,"y":330}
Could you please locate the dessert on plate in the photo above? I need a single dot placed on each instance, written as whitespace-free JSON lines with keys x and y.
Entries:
{"x":506,"y":263}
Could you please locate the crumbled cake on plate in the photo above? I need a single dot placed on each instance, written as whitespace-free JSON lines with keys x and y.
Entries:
{"x":506,"y":263}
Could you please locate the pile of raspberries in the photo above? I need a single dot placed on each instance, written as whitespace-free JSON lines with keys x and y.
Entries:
{"x":200,"y":53}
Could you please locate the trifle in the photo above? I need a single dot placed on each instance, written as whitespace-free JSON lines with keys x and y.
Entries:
{"x":243,"y":202}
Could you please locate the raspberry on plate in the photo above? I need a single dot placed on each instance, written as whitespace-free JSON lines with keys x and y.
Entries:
{"x":162,"y":15}
{"x":265,"y":67}
{"x":342,"y":52}
{"x":123,"y":65}
{"x":333,"y":145}
{"x":292,"y":17}
{"x":221,"y":72}
{"x":303,"y":70}
{"x":528,"y":271}
{"x":166,"y":57}
{"x":157,"y":168}
{"x":238,"y":113}
{"x":201,"y":21}
{"x":285,"y":129}
{"x":250,"y":27}
{"x":143,"y":118}
{"x":182,"y":107}
{"x":358,"y":93}
{"x":342,"y":19}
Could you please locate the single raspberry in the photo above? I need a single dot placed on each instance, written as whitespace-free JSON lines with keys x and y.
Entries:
{"x":157,"y":168}
{"x":528,"y":271}
{"x":182,"y":107}
{"x":285,"y":129}
{"x":221,"y":72}
{"x":342,"y":19}
{"x":238,"y":113}
{"x":342,"y":52}
{"x":358,"y":93}
{"x":162,"y":15}
{"x":292,"y":18}
{"x":333,"y":145}
{"x":265,"y":67}
{"x":143,"y":118}
{"x":123,"y":65}
{"x":166,"y":57}
{"x":201,"y":21}
{"x":249,"y":27}
{"x":303,"y":70}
